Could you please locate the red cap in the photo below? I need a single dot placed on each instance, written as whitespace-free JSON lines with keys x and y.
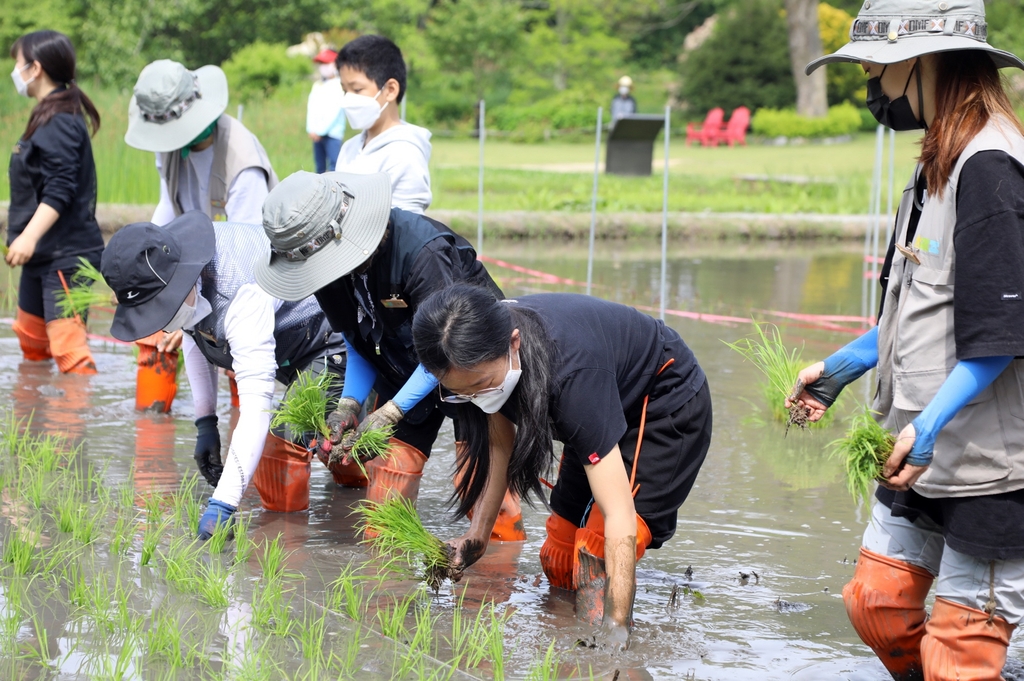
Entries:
{"x":326,"y":56}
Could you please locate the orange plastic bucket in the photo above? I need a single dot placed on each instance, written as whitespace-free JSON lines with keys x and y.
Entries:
{"x":282,"y":476}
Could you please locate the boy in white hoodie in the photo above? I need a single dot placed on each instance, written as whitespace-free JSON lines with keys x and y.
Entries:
{"x":373,"y":76}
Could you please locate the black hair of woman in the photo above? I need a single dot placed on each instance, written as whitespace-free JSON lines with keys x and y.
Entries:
{"x":461,"y":326}
{"x":56,"y":56}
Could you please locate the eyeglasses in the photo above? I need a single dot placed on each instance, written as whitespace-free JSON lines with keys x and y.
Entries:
{"x":458,"y":398}
{"x":332,"y":232}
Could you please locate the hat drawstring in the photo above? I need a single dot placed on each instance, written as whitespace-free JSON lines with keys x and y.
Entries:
{"x":153,"y":270}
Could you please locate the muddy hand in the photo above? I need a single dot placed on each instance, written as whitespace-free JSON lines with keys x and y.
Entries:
{"x":615,"y":636}
{"x":804,"y":398}
{"x":897,"y":474}
{"x":170,"y":342}
{"x":465,"y":551}
{"x":387,"y":416}
{"x":345,"y":417}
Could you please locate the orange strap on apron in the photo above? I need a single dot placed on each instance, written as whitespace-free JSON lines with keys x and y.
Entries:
{"x":640,"y":435}
{"x":67,"y":291}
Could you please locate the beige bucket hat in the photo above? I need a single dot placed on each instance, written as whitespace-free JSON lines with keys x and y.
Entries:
{"x":890,"y":31}
{"x":172,"y":105}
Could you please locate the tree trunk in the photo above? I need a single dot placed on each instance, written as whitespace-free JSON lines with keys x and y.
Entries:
{"x":805,"y":46}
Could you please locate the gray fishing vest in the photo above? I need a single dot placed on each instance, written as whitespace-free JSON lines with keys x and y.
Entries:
{"x":234,"y":150}
{"x":301,"y":330}
{"x":981,"y":451}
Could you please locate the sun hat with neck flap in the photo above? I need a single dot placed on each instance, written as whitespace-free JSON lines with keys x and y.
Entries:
{"x":891,"y":31}
{"x":171,"y":105}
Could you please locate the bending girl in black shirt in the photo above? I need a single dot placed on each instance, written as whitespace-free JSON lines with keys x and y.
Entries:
{"x":599,"y":377}
{"x":52,"y":220}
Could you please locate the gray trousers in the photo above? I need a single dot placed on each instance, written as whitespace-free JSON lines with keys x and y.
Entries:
{"x":960,"y":578}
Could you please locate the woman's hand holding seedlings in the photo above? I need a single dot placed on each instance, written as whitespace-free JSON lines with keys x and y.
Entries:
{"x":815,"y":409}
{"x":896,"y":473}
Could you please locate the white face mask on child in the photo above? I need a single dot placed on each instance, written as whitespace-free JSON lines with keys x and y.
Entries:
{"x":362,"y":111}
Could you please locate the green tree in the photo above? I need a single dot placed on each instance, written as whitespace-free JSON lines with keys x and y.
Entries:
{"x":745,"y":62}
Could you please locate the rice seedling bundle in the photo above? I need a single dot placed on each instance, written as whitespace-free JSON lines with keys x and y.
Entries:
{"x":305,"y":407}
{"x":373,"y":443}
{"x":780,"y":366}
{"x":394,"y":529}
{"x":863,"y":451}
{"x":79,"y":297}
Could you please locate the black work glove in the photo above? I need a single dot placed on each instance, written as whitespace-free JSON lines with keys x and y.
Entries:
{"x":207,"y":454}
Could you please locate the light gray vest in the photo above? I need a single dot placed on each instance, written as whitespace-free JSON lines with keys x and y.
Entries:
{"x":981,"y":451}
{"x":301,"y":330}
{"x":234,"y":150}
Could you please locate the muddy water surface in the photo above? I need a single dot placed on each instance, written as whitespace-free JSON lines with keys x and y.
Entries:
{"x":765,"y":543}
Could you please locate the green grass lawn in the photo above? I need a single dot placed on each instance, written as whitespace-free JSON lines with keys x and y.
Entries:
{"x":548,"y":176}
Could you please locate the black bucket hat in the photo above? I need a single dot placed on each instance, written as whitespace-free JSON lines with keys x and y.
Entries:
{"x":151,"y":270}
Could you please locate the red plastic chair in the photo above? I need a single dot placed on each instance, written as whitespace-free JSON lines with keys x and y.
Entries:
{"x":706,"y":134}
{"x":735,"y":132}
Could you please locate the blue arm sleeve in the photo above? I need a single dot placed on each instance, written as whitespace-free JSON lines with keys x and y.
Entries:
{"x":415,"y":389}
{"x":968,"y":378}
{"x":845,"y":366}
{"x":359,"y":375}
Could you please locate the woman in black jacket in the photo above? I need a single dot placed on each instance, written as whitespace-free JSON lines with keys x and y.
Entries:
{"x":52,"y":216}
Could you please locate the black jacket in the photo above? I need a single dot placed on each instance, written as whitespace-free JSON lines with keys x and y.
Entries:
{"x":55,"y":166}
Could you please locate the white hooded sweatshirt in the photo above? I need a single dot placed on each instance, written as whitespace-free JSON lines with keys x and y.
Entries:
{"x":403,"y":152}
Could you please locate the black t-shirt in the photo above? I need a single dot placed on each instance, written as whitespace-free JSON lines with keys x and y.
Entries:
{"x":605,"y":358}
{"x":988,"y":321}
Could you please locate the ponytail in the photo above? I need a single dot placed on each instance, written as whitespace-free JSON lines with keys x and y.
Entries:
{"x":56,"y":56}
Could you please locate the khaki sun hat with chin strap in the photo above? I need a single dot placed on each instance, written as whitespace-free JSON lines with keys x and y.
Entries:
{"x":891,"y":31}
{"x":171,"y":105}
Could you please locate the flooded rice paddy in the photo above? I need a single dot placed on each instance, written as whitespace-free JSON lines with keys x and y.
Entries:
{"x":749,"y":588}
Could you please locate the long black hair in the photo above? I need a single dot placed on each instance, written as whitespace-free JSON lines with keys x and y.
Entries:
{"x":56,"y":56}
{"x":461,"y":326}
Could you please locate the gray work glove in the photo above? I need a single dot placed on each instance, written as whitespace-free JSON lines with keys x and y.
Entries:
{"x":387,"y":415}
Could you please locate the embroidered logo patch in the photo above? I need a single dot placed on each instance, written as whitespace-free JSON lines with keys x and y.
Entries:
{"x":1011,"y":296}
{"x":594,"y":458}
{"x":926,"y":245}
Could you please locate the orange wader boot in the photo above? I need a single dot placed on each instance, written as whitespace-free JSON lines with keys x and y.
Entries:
{"x":346,"y":475}
{"x":885,"y":603}
{"x":156,"y":379}
{"x":31,"y":332}
{"x":962,"y":643}
{"x":508,"y":526}
{"x":69,"y":347}
{"x":556,"y":552}
{"x":589,"y":575}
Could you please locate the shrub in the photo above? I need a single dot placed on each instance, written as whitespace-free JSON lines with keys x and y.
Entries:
{"x":846,"y":82}
{"x":257,"y":70}
{"x":842,"y":119}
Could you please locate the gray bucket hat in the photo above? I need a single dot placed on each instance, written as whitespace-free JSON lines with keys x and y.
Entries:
{"x":172,"y":105}
{"x":321,"y":227}
{"x":890,"y":31}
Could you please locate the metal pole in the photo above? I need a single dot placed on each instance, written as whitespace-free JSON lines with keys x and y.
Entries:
{"x":664,"y":216}
{"x":402,"y":113}
{"x":593,"y":199}
{"x":480,"y":186}
{"x":878,"y":226}
{"x":874,"y":207}
{"x":241,"y":110}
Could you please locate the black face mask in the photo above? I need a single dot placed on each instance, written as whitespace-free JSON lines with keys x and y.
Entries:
{"x":895,"y":113}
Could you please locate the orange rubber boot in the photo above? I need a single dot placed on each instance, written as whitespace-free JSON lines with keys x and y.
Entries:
{"x":556,"y":552}
{"x":69,"y":346}
{"x":282,"y":475}
{"x":397,"y":475}
{"x":961,"y":643}
{"x":31,"y":332}
{"x":588,"y":570}
{"x":885,"y":603}
{"x":156,"y":378}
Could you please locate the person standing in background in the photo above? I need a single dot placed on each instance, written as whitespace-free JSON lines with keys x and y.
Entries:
{"x":325,"y":119}
{"x":52,"y":215}
{"x":623,"y":103}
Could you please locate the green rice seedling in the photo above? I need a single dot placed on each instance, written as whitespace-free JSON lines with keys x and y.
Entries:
{"x":151,"y":538}
{"x":219,"y":539}
{"x":391,"y":617}
{"x":780,"y":367}
{"x":186,"y":505}
{"x":465,"y":640}
{"x":863,"y":451}
{"x":211,"y":583}
{"x":12,"y":614}
{"x":313,"y":636}
{"x":32,"y":486}
{"x":488,"y":639}
{"x":76,"y":300}
{"x":181,"y":561}
{"x":126,"y":493}
{"x":121,"y":540}
{"x":86,"y":527}
{"x":270,"y":608}
{"x":544,"y":668}
{"x":40,"y":652}
{"x":398,"y":531}
{"x":163,"y":639}
{"x":273,"y":558}
{"x":305,"y":407}
{"x":20,"y":548}
{"x":67,"y":510}
{"x":244,"y":544}
{"x":347,"y":663}
{"x":372,"y":443}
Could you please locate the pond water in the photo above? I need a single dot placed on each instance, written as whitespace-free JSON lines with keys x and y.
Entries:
{"x":765,"y":543}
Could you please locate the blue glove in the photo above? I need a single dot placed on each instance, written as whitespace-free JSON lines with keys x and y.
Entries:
{"x":968,"y":378}
{"x":217,"y":514}
{"x":207,"y":453}
{"x":844,"y":367}
{"x":359,"y":375}
{"x":415,"y":389}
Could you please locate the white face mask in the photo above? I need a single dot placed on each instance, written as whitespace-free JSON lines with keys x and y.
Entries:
{"x":362,"y":111}
{"x":624,"y":91}
{"x":184,"y":317}
{"x":493,"y":401}
{"x":20,"y":84}
{"x":327,"y":71}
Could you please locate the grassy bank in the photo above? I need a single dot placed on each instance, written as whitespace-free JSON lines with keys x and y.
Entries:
{"x":551,"y":176}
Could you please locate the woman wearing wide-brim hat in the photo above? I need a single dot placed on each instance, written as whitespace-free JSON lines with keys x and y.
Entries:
{"x":950,"y":509}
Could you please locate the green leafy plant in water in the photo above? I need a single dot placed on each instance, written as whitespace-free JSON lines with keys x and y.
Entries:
{"x":373,"y":443}
{"x":163,"y":639}
{"x":270,"y":608}
{"x":20,"y":548}
{"x":544,"y":668}
{"x":394,"y":529}
{"x":155,"y":528}
{"x":244,"y":545}
{"x":780,"y":367}
{"x":76,"y":301}
{"x":391,"y":617}
{"x":313,"y":637}
{"x":863,"y":451}
{"x":306,"y":405}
